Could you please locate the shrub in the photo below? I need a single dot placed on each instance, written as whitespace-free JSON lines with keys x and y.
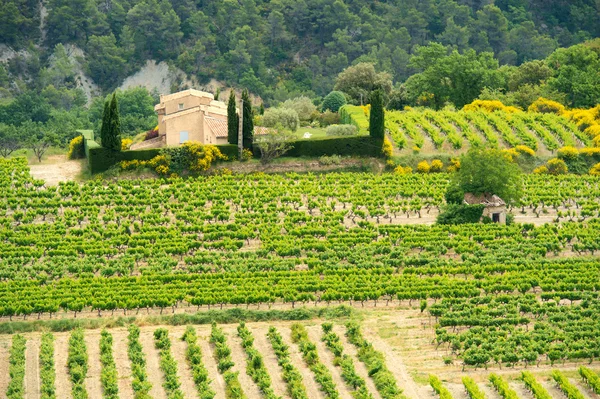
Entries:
{"x":524,"y":150}
{"x":341,"y":130}
{"x":151,"y":134}
{"x":329,"y":118}
{"x":423,"y":167}
{"x":489,"y":106}
{"x":595,"y":170}
{"x":460,"y":214}
{"x":454,"y":165}
{"x":76,"y":149}
{"x":125,"y":144}
{"x":546,"y":106}
{"x":387,"y":150}
{"x":436,"y":166}
{"x":330,"y":160}
{"x":557,"y":167}
{"x":403,"y":170}
{"x":283,"y":117}
{"x":568,"y":153}
{"x":541,"y":170}
{"x":333,"y":101}
{"x":303,"y":106}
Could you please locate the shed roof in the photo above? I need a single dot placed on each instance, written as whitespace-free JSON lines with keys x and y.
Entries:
{"x":485,"y":199}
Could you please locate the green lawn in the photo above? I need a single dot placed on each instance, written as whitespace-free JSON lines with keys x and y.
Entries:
{"x":316,"y":132}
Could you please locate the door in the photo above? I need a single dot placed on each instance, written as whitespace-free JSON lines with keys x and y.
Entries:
{"x":496,"y":217}
{"x":183,"y":137}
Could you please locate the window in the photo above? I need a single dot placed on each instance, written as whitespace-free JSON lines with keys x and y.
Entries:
{"x":183,"y":137}
{"x":181,"y":106}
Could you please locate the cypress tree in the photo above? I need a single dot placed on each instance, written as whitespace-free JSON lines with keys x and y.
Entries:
{"x":248,"y":123}
{"x":105,"y":125}
{"x":115,"y":124}
{"x":377,"y":117}
{"x":111,"y":126}
{"x":232,"y":119}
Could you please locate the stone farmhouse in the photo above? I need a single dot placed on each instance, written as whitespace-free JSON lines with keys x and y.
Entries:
{"x":189,"y":115}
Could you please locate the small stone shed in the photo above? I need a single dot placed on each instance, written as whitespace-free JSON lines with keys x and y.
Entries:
{"x":494,"y":206}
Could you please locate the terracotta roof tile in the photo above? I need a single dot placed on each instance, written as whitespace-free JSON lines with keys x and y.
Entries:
{"x":217,"y":126}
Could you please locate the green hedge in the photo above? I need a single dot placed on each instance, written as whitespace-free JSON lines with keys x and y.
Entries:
{"x":101,"y":159}
{"x":460,"y":214}
{"x":363,"y":146}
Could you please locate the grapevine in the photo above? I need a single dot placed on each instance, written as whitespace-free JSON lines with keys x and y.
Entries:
{"x":47,"y":371}
{"x":255,"y":366}
{"x":437,"y":386}
{"x":538,"y":391}
{"x":168,"y":364}
{"x":193,"y":355}
{"x":77,"y":363}
{"x":141,"y":385}
{"x":568,"y":389}
{"x":292,"y":377}
{"x":233,"y":389}
{"x":352,"y":379}
{"x":311,"y":358}
{"x":108,"y":375}
{"x":472,"y":389}
{"x":16,"y":386}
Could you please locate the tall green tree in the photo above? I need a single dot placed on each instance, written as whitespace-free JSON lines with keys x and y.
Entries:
{"x":232,"y":119}
{"x":248,"y":123}
{"x":377,"y":116}
{"x":487,"y":171}
{"x":111,"y":126}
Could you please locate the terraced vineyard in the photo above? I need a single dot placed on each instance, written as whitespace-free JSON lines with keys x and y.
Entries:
{"x":475,"y":296}
{"x":454,"y":131}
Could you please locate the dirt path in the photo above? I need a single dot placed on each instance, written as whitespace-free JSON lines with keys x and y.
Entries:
{"x":262,"y":344}
{"x":238,"y":355}
{"x":490,"y":393}
{"x":216,"y":379}
{"x":32,"y":368}
{"x":457,"y":390}
{"x":314,"y":334}
{"x":61,"y":351}
{"x":394,"y":363}
{"x":122,"y":362}
{"x":359,"y":366}
{"x":583,"y":388}
{"x":312,"y":388}
{"x":521,"y":390}
{"x":57,"y":168}
{"x":152,"y":364}
{"x":92,"y":381}
{"x":184,"y":371}
{"x":551,"y":387}
{"x":4,"y":354}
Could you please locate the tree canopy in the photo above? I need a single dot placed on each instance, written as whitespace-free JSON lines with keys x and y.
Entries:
{"x":488,"y":171}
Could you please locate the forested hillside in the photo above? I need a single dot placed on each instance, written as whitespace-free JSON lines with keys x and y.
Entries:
{"x":425,"y":53}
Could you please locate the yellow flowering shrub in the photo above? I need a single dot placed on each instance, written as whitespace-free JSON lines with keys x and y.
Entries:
{"x":546,"y":106}
{"x":125,"y":144}
{"x":387,"y":150}
{"x":524,"y":150}
{"x":403,"y":170}
{"x":489,"y":106}
{"x":454,"y":165}
{"x":423,"y":167}
{"x":557,"y":167}
{"x":541,"y":170}
{"x":76,"y":149}
{"x":590,"y":152}
{"x":436,"y":166}
{"x":568,"y":152}
{"x":595,"y":170}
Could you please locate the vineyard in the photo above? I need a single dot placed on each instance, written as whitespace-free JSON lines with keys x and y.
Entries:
{"x":454,"y":131}
{"x":250,"y":360}
{"x":487,"y":296}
